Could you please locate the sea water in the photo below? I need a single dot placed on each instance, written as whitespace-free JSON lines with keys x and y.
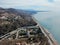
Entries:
{"x":51,"y":21}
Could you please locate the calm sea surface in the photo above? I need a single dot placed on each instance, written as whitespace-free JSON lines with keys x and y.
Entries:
{"x":51,"y":21}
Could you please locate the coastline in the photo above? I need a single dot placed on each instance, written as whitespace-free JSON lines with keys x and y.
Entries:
{"x":49,"y":36}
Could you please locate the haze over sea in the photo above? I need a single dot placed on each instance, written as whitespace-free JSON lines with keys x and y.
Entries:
{"x":51,"y":21}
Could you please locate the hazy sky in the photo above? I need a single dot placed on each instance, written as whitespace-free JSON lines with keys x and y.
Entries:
{"x":30,"y":4}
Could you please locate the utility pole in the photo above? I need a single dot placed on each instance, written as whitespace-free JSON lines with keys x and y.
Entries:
{"x":17,"y":34}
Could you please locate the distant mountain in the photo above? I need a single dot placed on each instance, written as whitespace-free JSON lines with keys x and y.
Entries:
{"x":17,"y":11}
{"x":30,"y":12}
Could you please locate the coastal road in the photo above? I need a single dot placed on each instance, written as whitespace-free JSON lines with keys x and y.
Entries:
{"x":51,"y":39}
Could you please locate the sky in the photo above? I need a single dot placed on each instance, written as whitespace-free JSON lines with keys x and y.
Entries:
{"x":30,"y":4}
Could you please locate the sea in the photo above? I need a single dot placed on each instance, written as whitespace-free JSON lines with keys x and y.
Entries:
{"x":51,"y":21}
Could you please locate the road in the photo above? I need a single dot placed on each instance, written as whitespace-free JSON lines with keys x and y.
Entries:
{"x":15,"y":31}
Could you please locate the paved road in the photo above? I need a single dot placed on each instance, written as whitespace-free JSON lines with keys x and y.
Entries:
{"x":15,"y":31}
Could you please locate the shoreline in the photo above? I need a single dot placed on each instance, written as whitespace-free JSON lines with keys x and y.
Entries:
{"x":50,"y":37}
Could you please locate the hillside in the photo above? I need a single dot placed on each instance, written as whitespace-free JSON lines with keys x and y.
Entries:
{"x":11,"y":19}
